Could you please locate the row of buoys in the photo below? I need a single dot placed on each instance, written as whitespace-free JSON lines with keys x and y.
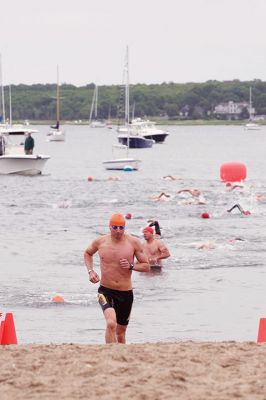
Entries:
{"x":232,"y":171}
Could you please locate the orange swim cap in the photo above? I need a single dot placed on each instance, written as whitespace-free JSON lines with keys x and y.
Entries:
{"x":117,"y":219}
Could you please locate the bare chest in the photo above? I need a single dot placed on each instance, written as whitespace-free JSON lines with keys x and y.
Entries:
{"x":112,"y":253}
{"x":151,"y":249}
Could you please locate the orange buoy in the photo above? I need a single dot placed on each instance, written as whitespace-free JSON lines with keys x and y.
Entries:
{"x":90,"y":179}
{"x":205,"y":215}
{"x":58,"y":299}
{"x":233,"y":172}
{"x":128,"y":216}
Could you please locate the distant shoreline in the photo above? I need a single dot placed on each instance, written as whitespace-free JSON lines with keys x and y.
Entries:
{"x":159,"y":122}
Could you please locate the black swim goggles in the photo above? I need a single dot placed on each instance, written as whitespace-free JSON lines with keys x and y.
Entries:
{"x":116,"y":227}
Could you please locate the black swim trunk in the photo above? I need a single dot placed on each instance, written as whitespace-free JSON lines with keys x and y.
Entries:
{"x":120,"y":300}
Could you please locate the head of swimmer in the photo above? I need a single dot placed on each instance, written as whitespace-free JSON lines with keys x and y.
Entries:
{"x":117,"y":225}
{"x":148,"y":232}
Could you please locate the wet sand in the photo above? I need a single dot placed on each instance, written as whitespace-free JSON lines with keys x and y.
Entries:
{"x":183,"y":370}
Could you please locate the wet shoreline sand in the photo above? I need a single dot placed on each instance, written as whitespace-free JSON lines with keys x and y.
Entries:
{"x":183,"y":370}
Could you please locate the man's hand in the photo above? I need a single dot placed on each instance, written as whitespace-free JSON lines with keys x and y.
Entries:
{"x":94,"y":277}
{"x":124,"y":263}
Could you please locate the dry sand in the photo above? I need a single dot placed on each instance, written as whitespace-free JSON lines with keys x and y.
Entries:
{"x":185,"y":370}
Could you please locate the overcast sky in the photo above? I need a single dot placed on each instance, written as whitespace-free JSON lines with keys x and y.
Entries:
{"x":169,"y":40}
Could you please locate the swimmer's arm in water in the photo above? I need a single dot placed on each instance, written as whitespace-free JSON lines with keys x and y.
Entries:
{"x":238,"y":206}
{"x":88,"y":258}
{"x":156,"y":226}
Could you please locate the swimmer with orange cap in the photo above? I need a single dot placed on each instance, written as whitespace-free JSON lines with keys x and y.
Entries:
{"x":155,"y":249}
{"x":119,"y":255}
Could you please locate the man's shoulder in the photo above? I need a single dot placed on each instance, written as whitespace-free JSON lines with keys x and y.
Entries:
{"x":103,"y":238}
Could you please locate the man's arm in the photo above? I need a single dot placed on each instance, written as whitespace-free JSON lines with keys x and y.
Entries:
{"x":88,"y":258}
{"x":164,"y":252}
{"x":142,"y":264}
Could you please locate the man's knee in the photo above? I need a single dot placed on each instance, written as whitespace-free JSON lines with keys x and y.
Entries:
{"x":111,"y":324}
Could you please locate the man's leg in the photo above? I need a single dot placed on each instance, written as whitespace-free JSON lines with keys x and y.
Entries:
{"x":111,"y":325}
{"x":121,"y":333}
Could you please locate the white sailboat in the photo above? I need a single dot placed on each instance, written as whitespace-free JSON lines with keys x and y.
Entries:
{"x":57,"y":133}
{"x":94,"y":122}
{"x":124,"y":163}
{"x":251,"y":125}
{"x":13,"y":161}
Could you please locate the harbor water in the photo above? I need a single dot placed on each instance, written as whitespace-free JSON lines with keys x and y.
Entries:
{"x":213,"y":285}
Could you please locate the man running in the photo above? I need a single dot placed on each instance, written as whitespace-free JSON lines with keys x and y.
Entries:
{"x":117,"y":251}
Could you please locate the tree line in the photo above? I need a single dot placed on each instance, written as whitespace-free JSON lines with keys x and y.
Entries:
{"x":170,"y":100}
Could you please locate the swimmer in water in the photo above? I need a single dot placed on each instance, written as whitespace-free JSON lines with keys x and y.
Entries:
{"x":242,"y":211}
{"x":170,"y":178}
{"x":154,"y":249}
{"x":161,"y":197}
{"x":193,"y":192}
{"x":231,"y":188}
{"x":206,"y":246}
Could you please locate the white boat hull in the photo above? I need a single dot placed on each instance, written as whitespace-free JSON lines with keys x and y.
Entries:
{"x":121,"y":163}
{"x":56,"y":136}
{"x":97,"y":124}
{"x":252,"y":127}
{"x":22,"y":164}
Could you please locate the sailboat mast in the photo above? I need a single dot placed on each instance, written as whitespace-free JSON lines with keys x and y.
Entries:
{"x":2,"y":92}
{"x":127,"y":89}
{"x":10,"y":106}
{"x":126,"y":72}
{"x":92,"y":105}
{"x":57,"y":98}
{"x":96,"y":101}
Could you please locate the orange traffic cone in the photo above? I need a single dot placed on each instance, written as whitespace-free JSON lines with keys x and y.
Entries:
{"x":9,"y":332}
{"x":1,"y":331}
{"x":262,"y":331}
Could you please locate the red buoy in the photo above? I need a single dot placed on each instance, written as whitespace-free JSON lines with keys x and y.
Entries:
{"x":233,"y":172}
{"x":205,"y":215}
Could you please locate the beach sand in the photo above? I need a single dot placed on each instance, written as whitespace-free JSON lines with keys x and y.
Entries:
{"x":184,"y":370}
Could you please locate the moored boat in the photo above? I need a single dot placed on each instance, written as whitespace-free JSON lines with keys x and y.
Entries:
{"x":13,"y":161}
